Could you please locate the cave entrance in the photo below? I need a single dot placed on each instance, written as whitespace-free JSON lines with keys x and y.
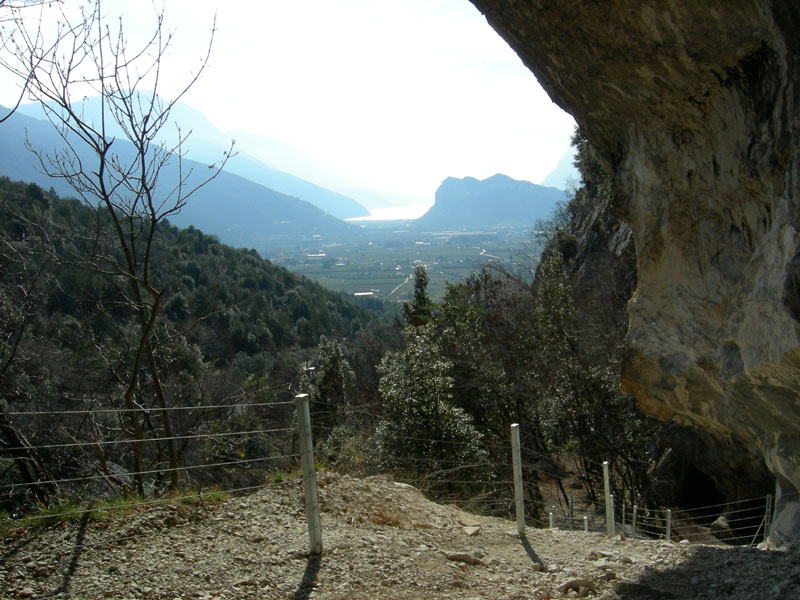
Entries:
{"x":699,"y":494}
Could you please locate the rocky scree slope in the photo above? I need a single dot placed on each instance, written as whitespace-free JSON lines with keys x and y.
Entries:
{"x":381,"y":540}
{"x":694,"y":108}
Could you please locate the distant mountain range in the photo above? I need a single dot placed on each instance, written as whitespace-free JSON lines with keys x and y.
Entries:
{"x":206,"y":144}
{"x":251,"y":204}
{"x":238,"y":211}
{"x":565,"y":173}
{"x":496,"y":202}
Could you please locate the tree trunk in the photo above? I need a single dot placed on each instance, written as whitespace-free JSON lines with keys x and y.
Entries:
{"x":31,"y":468}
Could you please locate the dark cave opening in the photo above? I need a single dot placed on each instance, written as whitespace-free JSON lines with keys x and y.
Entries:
{"x":700,"y":495}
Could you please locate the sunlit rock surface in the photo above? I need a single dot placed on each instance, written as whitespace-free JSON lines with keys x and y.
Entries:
{"x":694,"y":106}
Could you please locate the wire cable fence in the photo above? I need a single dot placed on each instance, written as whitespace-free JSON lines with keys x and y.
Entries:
{"x":741,"y":522}
{"x":89,"y":457}
{"x":449,"y":471}
{"x":202,"y":501}
{"x":744,"y":522}
{"x":83,"y":461}
{"x":168,"y":511}
{"x":87,"y":462}
{"x":488,"y":488}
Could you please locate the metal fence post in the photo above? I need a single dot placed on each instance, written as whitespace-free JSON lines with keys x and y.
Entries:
{"x":309,"y":474}
{"x":669,"y":525}
{"x":623,"y":518}
{"x":613,"y":517}
{"x":586,"y":524}
{"x":552,"y":520}
{"x":516,"y":459}
{"x":633,"y":525}
{"x":609,"y":506}
{"x":768,"y":518}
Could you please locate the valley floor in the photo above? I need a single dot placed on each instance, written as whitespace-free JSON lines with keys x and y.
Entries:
{"x":381,"y":540}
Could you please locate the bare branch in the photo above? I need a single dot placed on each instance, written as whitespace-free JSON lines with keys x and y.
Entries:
{"x":134,"y":180}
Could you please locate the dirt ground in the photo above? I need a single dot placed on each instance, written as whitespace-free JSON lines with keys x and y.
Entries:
{"x":381,"y":540}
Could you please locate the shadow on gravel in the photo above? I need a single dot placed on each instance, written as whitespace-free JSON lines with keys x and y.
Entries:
{"x":714,"y":573}
{"x":16,"y":548}
{"x":532,"y":553}
{"x":309,"y":577}
{"x":63,"y":589}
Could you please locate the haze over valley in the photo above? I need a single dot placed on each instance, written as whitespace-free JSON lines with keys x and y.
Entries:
{"x":316,"y":231}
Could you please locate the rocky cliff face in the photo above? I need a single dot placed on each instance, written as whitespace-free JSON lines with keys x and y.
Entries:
{"x":496,"y":202}
{"x":693,"y":105}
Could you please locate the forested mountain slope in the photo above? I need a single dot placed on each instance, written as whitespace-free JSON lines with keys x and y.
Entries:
{"x":231,"y":329}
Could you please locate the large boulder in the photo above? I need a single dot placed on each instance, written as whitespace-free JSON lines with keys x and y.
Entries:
{"x":693,"y":105}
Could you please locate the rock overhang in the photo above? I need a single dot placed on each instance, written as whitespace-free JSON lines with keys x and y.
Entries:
{"x":694,"y":108}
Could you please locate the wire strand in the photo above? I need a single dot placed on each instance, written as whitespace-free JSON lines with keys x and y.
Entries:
{"x":143,"y":409}
{"x":146,"y":503}
{"x":151,"y":472}
{"x":160,"y":439}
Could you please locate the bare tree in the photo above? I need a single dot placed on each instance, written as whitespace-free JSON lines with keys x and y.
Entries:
{"x":15,"y":322}
{"x":23,"y":286}
{"x":10,"y":16}
{"x":118,"y":164}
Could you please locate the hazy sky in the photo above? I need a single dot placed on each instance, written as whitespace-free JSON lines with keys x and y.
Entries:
{"x":389,"y":96}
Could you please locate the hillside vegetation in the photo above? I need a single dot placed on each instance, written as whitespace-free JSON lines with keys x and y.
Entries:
{"x":233,"y":330}
{"x":538,"y":347}
{"x":430,"y":402}
{"x":238,"y":337}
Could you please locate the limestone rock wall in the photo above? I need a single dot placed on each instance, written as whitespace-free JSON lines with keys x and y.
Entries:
{"x":693,"y":104}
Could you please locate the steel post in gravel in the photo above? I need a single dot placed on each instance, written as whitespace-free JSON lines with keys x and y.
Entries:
{"x":517,"y":466}
{"x":669,"y":525}
{"x":309,"y":474}
{"x":609,"y":505}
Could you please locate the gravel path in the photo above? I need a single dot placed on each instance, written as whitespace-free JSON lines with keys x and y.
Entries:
{"x":381,"y":540}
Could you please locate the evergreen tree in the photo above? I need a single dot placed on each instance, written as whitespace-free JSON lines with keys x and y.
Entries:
{"x":422,"y":431}
{"x":328,"y":383}
{"x":420,"y":310}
